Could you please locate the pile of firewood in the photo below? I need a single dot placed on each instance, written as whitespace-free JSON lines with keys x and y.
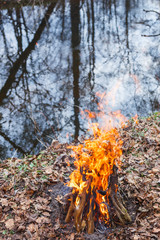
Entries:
{"x":87,"y":213}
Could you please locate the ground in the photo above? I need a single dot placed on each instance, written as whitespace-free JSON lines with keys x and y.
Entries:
{"x":32,"y":189}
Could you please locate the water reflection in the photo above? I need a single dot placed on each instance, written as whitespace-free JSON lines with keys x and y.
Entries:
{"x":55,"y":58}
{"x":75,"y":40}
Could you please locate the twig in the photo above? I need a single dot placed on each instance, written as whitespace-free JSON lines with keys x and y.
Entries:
{"x":154,"y":35}
{"x":151,"y":11}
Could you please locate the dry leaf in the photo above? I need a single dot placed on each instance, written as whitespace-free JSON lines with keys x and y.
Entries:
{"x":72,"y":236}
{"x":155,"y":170}
{"x":156,"y":230}
{"x":4,"y":202}
{"x":156,"y":206}
{"x":9,"y":224}
{"x":42,"y":200}
{"x":43,"y":220}
{"x":31,"y":227}
{"x":21,"y":228}
{"x":50,"y":190}
{"x":48,"y":170}
{"x":47,"y":214}
{"x":131,"y":179}
{"x":28,"y":234}
{"x":158,"y":200}
{"x":38,"y":206}
{"x":17,"y":219}
{"x":157,"y":215}
{"x":59,"y":198}
{"x":57,"y":225}
{"x":136,"y":237}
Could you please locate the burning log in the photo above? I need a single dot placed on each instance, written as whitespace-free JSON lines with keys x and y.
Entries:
{"x":70,"y":211}
{"x":79,"y":210}
{"x":95,"y":182}
{"x":121,"y":211}
{"x":114,"y":199}
{"x":91,"y":217}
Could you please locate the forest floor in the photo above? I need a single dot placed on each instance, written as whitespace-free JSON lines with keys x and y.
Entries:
{"x":32,"y":189}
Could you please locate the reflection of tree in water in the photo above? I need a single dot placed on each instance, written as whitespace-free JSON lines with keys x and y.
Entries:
{"x":18,"y":73}
{"x":20,"y":62}
{"x":51,"y":72}
{"x":75,"y":39}
{"x":150,"y":25}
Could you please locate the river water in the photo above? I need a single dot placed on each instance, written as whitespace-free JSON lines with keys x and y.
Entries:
{"x":55,"y":58}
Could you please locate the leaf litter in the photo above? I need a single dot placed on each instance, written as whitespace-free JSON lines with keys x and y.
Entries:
{"x":32,"y":189}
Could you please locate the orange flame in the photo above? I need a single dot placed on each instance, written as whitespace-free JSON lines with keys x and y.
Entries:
{"x":94,"y":162}
{"x":107,"y":119}
{"x":96,"y":157}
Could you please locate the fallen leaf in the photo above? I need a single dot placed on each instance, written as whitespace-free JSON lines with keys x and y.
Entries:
{"x":57,"y":225}
{"x":31,"y":227}
{"x":50,"y":190}
{"x":17,"y":219}
{"x":38,"y":206}
{"x":158,"y":200}
{"x":155,"y":170}
{"x":28,"y":234}
{"x":47,"y":214}
{"x":43,"y":220}
{"x":156,"y":206}
{"x":9,"y":224}
{"x":156,"y":230}
{"x":72,"y":236}
{"x":157,"y":215}
{"x":59,"y":198}
{"x":42,"y":200}
{"x":21,"y":228}
{"x":136,"y":237}
{"x":4,"y":201}
{"x":48,"y":170}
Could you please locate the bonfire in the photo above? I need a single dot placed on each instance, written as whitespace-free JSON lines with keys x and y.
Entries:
{"x":94,"y":198}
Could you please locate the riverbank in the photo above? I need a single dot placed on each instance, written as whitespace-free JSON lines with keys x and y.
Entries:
{"x":32,"y":189}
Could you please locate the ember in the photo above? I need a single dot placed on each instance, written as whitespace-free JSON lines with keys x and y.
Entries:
{"x":94,"y":183}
